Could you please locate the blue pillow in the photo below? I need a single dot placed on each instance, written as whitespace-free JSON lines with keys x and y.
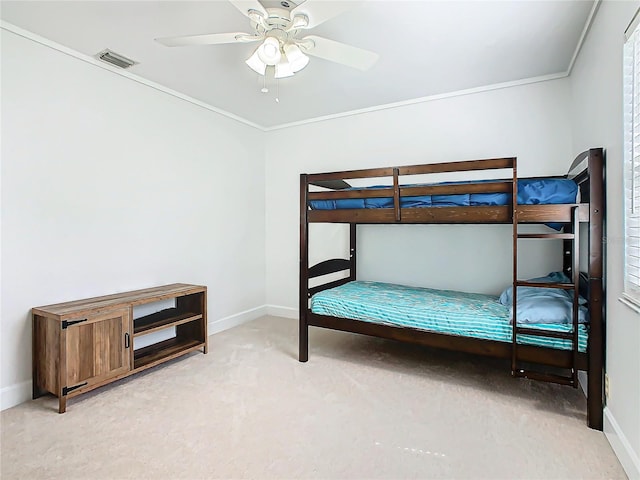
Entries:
{"x":534,"y":191}
{"x":506,"y":297}
{"x":545,"y":309}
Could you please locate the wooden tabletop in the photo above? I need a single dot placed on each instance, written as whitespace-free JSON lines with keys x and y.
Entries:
{"x":109,"y":302}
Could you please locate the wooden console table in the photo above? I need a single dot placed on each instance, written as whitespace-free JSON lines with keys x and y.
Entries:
{"x":84,"y":344}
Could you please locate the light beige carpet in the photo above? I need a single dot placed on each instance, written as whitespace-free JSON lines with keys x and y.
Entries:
{"x":360,"y":408}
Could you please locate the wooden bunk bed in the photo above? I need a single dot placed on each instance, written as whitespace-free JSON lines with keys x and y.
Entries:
{"x":587,"y":171}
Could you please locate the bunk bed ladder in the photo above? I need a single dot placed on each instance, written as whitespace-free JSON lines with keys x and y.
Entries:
{"x":570,"y":238}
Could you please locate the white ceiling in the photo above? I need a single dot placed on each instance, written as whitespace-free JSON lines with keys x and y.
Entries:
{"x":426,"y":48}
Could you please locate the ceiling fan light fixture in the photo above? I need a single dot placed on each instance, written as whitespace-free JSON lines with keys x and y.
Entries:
{"x":256,"y":64}
{"x":296,"y":58}
{"x":269,"y":51}
{"x":283,"y":69}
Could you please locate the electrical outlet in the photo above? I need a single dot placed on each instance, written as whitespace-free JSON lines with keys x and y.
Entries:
{"x":607,"y":387}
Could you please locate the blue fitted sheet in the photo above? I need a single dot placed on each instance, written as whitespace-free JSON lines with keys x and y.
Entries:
{"x":546,"y":191}
{"x":441,"y":311}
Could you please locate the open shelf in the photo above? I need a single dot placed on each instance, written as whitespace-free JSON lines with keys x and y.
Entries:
{"x":165,"y":350}
{"x":169,"y":317}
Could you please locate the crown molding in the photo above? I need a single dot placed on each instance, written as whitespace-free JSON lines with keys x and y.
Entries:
{"x":429,"y":98}
{"x":583,"y":35}
{"x":123,"y":73}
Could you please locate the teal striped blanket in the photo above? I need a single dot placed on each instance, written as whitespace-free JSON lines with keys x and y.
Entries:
{"x":441,"y":311}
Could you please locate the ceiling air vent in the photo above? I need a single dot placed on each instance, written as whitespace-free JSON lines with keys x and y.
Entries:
{"x":115,"y":59}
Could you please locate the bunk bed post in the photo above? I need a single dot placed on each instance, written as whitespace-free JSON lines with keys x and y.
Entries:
{"x":514,"y":304}
{"x":303,"y":303}
{"x":396,"y":194}
{"x":575,"y":276}
{"x":595,"y":400}
{"x":352,"y":251}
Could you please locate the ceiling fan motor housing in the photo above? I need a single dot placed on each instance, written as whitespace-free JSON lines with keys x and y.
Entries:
{"x":278,"y":18}
{"x":278,"y":24}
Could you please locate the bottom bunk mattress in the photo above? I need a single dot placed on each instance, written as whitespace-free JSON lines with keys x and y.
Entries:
{"x":441,"y":311}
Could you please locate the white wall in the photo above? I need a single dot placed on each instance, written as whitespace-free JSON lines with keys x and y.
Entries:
{"x":597,"y":119}
{"x":109,"y":185}
{"x":530,"y":122}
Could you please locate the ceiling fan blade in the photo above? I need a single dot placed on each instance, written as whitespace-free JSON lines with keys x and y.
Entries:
{"x":339,"y":52}
{"x":246,"y":5}
{"x":207,"y":39}
{"x":319,"y":11}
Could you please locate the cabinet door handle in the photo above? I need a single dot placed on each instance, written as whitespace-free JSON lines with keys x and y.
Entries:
{"x":126,"y":340}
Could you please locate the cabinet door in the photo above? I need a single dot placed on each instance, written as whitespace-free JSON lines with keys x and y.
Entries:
{"x":97,"y":349}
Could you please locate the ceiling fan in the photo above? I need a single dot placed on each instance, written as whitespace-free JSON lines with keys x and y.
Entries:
{"x":277,"y":24}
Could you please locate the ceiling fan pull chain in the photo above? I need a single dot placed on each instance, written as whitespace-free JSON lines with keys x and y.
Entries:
{"x":264,"y":85}
{"x":277,"y":90}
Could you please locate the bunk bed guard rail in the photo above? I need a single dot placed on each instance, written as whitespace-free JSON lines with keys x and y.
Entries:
{"x":340,"y":190}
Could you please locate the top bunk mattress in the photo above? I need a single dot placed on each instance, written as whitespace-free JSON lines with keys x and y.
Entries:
{"x":536,"y":191}
{"x":440,"y":311}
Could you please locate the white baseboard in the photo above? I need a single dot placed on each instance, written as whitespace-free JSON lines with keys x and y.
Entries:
{"x":621,"y":446}
{"x":278,"y":311}
{"x":15,"y":394}
{"x":231,"y":321}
